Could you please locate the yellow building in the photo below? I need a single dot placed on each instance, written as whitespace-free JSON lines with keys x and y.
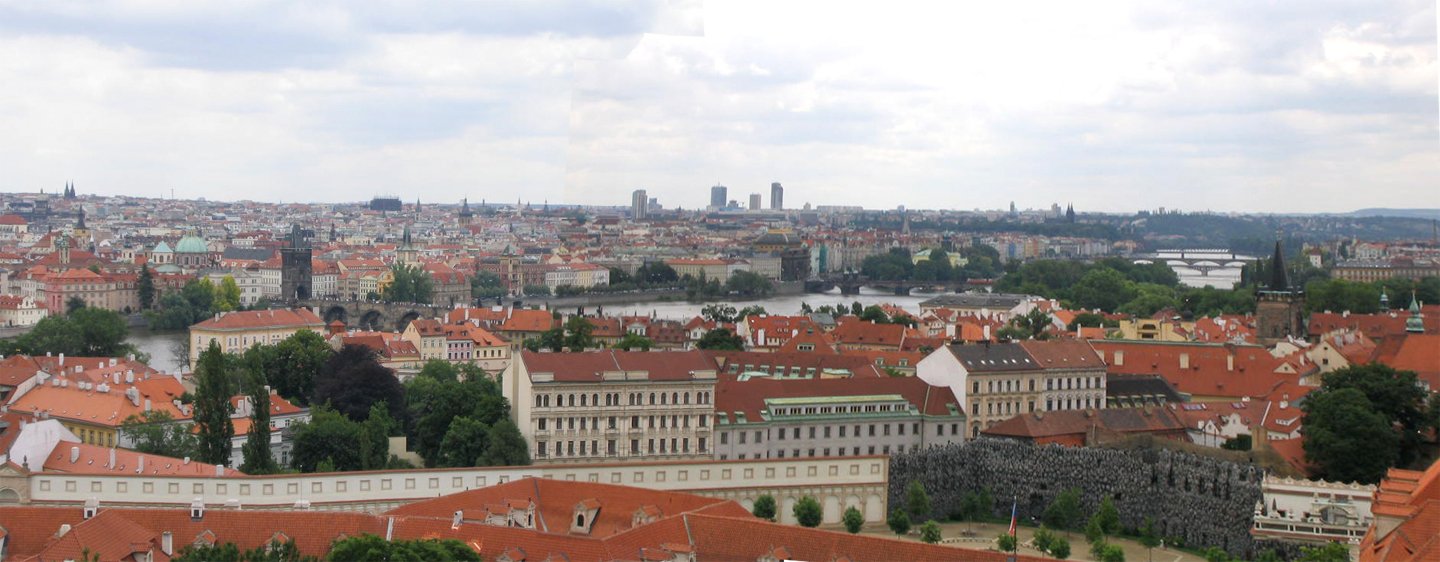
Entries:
{"x":1155,"y":330}
{"x":238,"y":331}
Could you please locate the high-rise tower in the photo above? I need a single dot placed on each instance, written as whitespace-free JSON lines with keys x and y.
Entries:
{"x":718,"y":195}
{"x":639,"y":205}
{"x":777,"y":196}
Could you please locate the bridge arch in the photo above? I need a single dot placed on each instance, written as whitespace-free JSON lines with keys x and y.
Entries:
{"x":372,"y":320}
{"x":405,"y":320}
{"x":337,"y":312}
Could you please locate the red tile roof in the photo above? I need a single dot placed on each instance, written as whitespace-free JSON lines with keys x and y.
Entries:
{"x":733,"y":395}
{"x":258,"y":319}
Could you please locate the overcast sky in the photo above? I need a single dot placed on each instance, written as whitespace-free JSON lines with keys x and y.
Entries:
{"x":1249,"y":105}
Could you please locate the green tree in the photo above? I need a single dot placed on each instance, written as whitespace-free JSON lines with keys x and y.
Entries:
{"x":1330,"y":552}
{"x":764,"y":507}
{"x":1216,"y":554}
{"x":1064,"y":511}
{"x":214,"y":385}
{"x":1060,"y":548}
{"x":506,"y":446}
{"x":630,"y":342}
{"x":375,"y":437}
{"x":1094,"y":530}
{"x":227,"y":295}
{"x":145,"y":287}
{"x":1005,"y":542}
{"x":297,"y":362}
{"x":1032,"y":325}
{"x":656,"y":273}
{"x":1149,"y":538}
{"x":440,"y":370}
{"x":157,"y":433}
{"x":1109,"y":516}
{"x":898,"y":522}
{"x":370,"y":548}
{"x":1397,"y":395}
{"x":853,"y":520}
{"x":718,"y":312}
{"x":327,"y":443}
{"x":1102,"y":288}
{"x":73,"y":304}
{"x":463,"y":443}
{"x":1042,"y":539}
{"x":721,"y":338}
{"x":1347,"y":438}
{"x":578,"y":330}
{"x":256,"y":450}
{"x":1110,"y":553}
{"x":749,"y":284}
{"x":275,"y":551}
{"x":537,"y":290}
{"x":409,"y":283}
{"x":808,"y":512}
{"x":917,"y":502}
{"x":487,"y":285}
{"x":930,"y":532}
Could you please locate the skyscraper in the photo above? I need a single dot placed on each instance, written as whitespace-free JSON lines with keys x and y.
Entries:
{"x":754,"y":201}
{"x":777,"y":196}
{"x":718,"y":196}
{"x":639,"y":205}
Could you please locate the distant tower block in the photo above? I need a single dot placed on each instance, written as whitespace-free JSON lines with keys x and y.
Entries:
{"x":777,"y":196}
{"x":639,"y":205}
{"x":754,"y":201}
{"x":295,"y":272}
{"x":718,"y":193}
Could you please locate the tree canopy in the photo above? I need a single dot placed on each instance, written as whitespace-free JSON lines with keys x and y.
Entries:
{"x":409,"y":283}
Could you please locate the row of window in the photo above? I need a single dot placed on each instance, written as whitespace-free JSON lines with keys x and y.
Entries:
{"x":818,"y":432}
{"x":1051,"y":404}
{"x":612,"y":422}
{"x":1013,"y":385}
{"x":853,"y":409}
{"x":674,"y":445}
{"x":613,"y":399}
{"x":824,"y":452}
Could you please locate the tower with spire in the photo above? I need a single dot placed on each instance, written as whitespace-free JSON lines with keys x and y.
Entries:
{"x":466,"y":215}
{"x":1415,"y":324}
{"x":1279,"y":307}
{"x":407,"y":254}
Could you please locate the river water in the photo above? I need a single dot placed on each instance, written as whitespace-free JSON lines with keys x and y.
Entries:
{"x":160,"y":345}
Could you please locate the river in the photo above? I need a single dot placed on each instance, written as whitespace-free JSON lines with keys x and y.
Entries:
{"x":160,"y":345}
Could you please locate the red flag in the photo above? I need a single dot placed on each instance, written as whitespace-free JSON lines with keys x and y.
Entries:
{"x":1012,"y":517}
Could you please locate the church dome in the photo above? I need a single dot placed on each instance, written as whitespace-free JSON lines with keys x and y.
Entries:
{"x":191,"y":245}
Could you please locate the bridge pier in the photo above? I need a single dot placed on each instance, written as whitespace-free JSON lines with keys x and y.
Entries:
{"x":849,"y":289}
{"x":902,"y":290}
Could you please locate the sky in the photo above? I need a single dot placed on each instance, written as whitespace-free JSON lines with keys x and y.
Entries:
{"x":1266,"y":106}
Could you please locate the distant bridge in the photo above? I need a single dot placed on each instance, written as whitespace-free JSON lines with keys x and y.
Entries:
{"x":1203,"y":261}
{"x":851,"y":282}
{"x":367,"y":315}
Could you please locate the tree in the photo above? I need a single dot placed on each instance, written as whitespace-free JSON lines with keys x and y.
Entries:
{"x":917,"y":502}
{"x":256,"y":450}
{"x":487,"y":285}
{"x":463,"y":443}
{"x":634,"y":341}
{"x":721,"y":338}
{"x":1109,"y":516}
{"x":227,"y":295}
{"x":718,"y":312}
{"x":1395,"y":394}
{"x":1102,"y":288}
{"x":930,"y":532}
{"x":656,"y":273}
{"x":1005,"y":542}
{"x":749,"y":284}
{"x":1347,"y":438}
{"x":73,"y":304}
{"x":1042,"y":539}
{"x":372,"y":548}
{"x":853,"y":520}
{"x":157,"y":433}
{"x":1060,"y":548}
{"x":214,"y":385}
{"x":353,"y":379}
{"x":86,"y":332}
{"x":297,"y":362}
{"x":1149,"y":538}
{"x":1215,"y":554}
{"x":506,"y":446}
{"x":1032,"y":325}
{"x":808,"y":512}
{"x":537,"y":290}
{"x":1330,"y":552}
{"x":898,"y":522}
{"x":1110,"y":553}
{"x":145,"y":287}
{"x":275,"y":551}
{"x":764,"y":507}
{"x":326,"y":443}
{"x":375,"y":437}
{"x":1094,"y":530}
{"x":1064,"y":511}
{"x":409,"y":283}
{"x":577,"y":334}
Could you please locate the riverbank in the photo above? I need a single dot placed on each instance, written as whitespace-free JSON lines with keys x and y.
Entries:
{"x":786,"y":289}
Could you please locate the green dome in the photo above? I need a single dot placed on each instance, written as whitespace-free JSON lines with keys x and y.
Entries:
{"x":191,"y":245}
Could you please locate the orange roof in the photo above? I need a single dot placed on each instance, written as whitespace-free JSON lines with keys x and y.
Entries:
{"x":1232,"y":371}
{"x":262,"y":319}
{"x":852,"y":331}
{"x":1411,"y":501}
{"x":528,"y":321}
{"x":94,"y":459}
{"x":734,"y":396}
{"x":1414,"y":352}
{"x":94,"y":407}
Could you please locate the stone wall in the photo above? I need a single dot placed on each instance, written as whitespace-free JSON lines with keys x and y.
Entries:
{"x":1204,"y":501}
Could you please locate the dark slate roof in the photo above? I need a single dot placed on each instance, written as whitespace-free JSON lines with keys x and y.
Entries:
{"x":993,"y":357}
{"x":1119,"y":386}
{"x":975,"y":300}
{"x":257,"y":254}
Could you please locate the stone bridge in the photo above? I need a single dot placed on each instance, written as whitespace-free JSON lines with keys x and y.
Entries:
{"x":367,"y":315}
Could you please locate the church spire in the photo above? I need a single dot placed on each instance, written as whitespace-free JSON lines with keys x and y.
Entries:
{"x":1279,"y":281}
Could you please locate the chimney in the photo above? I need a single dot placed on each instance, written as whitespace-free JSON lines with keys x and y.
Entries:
{"x":219,"y":470}
{"x":167,"y":543}
{"x":111,"y":464}
{"x":62,"y":359}
{"x":147,"y":404}
{"x":987,"y":332}
{"x":140,"y":466}
{"x":74,"y":455}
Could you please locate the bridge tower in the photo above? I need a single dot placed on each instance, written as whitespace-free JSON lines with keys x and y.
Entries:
{"x":296,"y":281}
{"x":1279,"y":308}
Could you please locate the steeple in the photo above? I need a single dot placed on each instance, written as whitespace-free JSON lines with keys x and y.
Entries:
{"x":1384,"y":300}
{"x":1279,"y":281}
{"x":1415,"y":324}
{"x":80,"y":223}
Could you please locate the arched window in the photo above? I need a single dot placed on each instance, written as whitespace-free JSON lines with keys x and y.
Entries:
{"x":580,"y":520}
{"x":674,"y":397}
{"x":582,"y":399}
{"x":595,"y":399}
{"x":652,"y":398}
